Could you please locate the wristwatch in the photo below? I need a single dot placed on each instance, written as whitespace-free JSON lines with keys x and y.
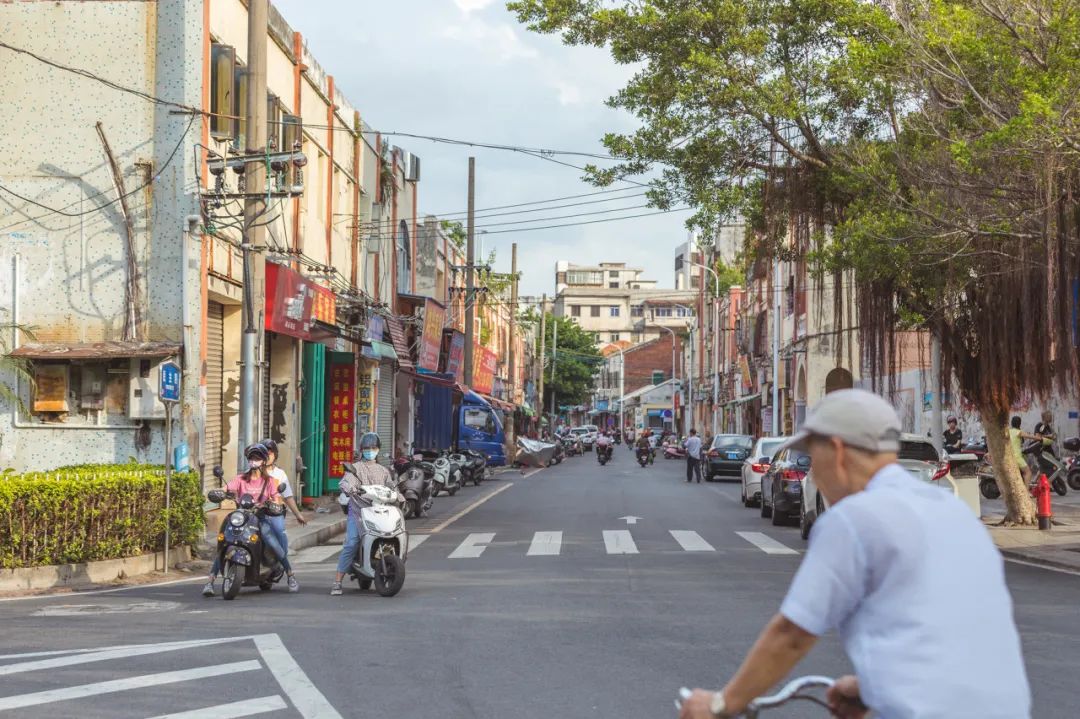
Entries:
{"x":718,"y":706}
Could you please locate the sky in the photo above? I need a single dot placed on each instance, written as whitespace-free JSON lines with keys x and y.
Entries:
{"x":466,"y":69}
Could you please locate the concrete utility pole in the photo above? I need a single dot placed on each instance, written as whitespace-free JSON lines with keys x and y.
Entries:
{"x":543,"y":347}
{"x":513,"y":326}
{"x":776,"y":350}
{"x":470,"y":288}
{"x":254,"y":207}
{"x":554,"y":357}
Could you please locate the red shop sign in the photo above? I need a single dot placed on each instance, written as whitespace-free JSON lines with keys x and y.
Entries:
{"x":341,"y":386}
{"x":293,"y":302}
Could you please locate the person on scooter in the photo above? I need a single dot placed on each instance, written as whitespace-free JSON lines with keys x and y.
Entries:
{"x":604,"y":444}
{"x":258,"y":483}
{"x":644,"y":443}
{"x":368,"y":472}
{"x":1044,"y":430}
{"x":280,"y":477}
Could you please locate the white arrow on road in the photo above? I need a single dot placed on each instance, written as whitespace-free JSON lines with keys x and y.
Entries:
{"x":631,"y":520}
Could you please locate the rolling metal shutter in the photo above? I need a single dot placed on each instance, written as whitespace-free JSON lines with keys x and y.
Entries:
{"x":384,"y":423}
{"x":215,"y":348}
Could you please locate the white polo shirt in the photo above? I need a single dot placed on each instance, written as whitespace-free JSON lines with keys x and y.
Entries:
{"x":912,"y":582}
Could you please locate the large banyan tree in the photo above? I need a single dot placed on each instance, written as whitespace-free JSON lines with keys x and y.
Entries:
{"x":939,"y":141}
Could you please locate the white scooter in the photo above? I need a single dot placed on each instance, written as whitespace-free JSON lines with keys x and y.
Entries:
{"x":384,"y":543}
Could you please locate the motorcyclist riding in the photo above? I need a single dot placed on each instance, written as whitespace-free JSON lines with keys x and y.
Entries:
{"x":645,"y":443}
{"x":368,"y":472}
{"x":604,"y":444}
{"x":262,"y":487}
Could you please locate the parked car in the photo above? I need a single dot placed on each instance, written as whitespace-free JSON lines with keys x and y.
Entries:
{"x":725,"y":456}
{"x":917,"y":455}
{"x":755,"y":466}
{"x":782,"y":486}
{"x":586,"y":434}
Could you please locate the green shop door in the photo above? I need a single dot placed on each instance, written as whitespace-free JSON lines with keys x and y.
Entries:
{"x":313,"y":420}
{"x":340,"y":414}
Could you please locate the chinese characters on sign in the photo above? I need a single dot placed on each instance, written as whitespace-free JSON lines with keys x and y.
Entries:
{"x":431,"y":339}
{"x":455,"y":356}
{"x":485,"y":364}
{"x":339,"y":417}
{"x":293,"y":302}
{"x":365,"y":398}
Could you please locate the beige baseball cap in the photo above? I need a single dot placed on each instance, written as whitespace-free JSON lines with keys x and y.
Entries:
{"x":856,"y":417}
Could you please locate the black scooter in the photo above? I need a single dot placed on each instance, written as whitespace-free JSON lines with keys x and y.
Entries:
{"x":644,"y":456}
{"x":246,"y":560}
{"x":604,"y":454}
{"x":416,"y":480}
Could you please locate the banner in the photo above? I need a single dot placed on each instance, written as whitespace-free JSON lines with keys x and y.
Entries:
{"x":431,"y":339}
{"x":455,"y":357}
{"x":294,"y":302}
{"x":485,"y":364}
{"x":342,"y":389}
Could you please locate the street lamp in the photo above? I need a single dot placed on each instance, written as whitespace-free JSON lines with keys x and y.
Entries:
{"x":716,"y":343}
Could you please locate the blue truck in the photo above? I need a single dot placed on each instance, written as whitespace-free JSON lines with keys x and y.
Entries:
{"x":448,"y":418}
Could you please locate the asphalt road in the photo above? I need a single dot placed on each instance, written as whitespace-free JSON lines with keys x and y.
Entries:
{"x":539,"y":601}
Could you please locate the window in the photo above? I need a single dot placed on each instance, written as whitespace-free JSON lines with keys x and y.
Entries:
{"x":678,"y":262}
{"x":240,"y":85}
{"x":637,"y":311}
{"x":480,"y":420}
{"x":584,"y":277}
{"x":922,"y":451}
{"x":594,"y":310}
{"x":613,"y":274}
{"x":222,"y":92}
{"x":695,"y":282}
{"x":662,"y":312}
{"x":613,"y":311}
{"x":684,"y":312}
{"x":613,"y":285}
{"x":575,"y":310}
{"x":404,"y":256}
{"x":614,"y":336}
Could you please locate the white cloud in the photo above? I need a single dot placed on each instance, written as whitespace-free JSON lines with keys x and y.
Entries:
{"x":501,"y":39}
{"x":467,"y":6}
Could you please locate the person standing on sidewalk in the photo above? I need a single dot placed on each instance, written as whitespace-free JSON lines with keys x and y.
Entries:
{"x":693,"y":456}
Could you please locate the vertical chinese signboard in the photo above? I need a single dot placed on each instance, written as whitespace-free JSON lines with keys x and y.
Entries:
{"x":455,"y":356}
{"x":431,"y":339}
{"x":365,"y":401}
{"x":339,"y":419}
{"x":485,"y":364}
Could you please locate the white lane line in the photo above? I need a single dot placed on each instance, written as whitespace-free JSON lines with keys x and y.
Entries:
{"x":619,"y":541}
{"x":20,"y":701}
{"x":545,"y":544}
{"x":438,"y":528}
{"x":766,"y":543}
{"x":316,"y":554}
{"x":106,"y":654}
{"x":472,"y":546}
{"x":691,"y":541}
{"x":415,"y":540}
{"x":307,"y":699}
{"x":246,"y":708}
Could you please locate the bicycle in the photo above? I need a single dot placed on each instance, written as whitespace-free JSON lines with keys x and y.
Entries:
{"x":794,"y":690}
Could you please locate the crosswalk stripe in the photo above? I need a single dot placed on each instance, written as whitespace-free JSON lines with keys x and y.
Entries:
{"x":545,"y":544}
{"x":245,"y":708}
{"x":766,"y":543}
{"x":472,"y":546}
{"x":316,"y":554}
{"x":21,"y":701}
{"x":619,"y":541}
{"x":415,"y":540}
{"x":691,"y":541}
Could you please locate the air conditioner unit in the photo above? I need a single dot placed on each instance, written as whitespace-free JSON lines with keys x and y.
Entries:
{"x":145,"y":379}
{"x":412,"y":167}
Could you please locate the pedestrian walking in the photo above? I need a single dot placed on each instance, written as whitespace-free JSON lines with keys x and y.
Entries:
{"x":693,"y":456}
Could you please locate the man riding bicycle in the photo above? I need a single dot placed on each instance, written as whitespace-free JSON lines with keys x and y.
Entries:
{"x":907,"y":575}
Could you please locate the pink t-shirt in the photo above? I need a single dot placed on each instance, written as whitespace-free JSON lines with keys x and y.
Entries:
{"x":261,"y":490}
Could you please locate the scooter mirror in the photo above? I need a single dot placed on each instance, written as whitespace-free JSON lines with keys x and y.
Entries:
{"x":217,"y":496}
{"x":218,"y":471}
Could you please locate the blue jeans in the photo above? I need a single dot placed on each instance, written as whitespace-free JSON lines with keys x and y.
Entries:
{"x":277,"y":524}
{"x":273,"y":533}
{"x":351,"y":544}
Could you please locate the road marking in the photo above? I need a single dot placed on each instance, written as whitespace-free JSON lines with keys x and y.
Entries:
{"x":20,"y":701}
{"x":766,"y":543}
{"x":415,"y":540}
{"x":631,"y":520}
{"x":316,"y":554}
{"x":245,"y":708}
{"x":691,"y":541}
{"x":103,"y":655}
{"x":472,"y":546}
{"x":619,"y":541}
{"x":308,"y":700}
{"x":438,"y":528}
{"x":545,"y":544}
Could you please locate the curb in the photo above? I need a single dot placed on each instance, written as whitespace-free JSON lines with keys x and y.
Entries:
{"x":1038,"y":561}
{"x":313,"y":537}
{"x":75,"y":576}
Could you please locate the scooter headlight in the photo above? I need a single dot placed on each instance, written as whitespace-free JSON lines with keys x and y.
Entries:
{"x":237,"y":519}
{"x":371,"y":527}
{"x":400,"y":525}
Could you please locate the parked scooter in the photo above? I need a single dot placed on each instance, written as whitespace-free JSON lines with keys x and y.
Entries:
{"x":476,"y":465}
{"x":415,"y":482}
{"x":1072,"y":465}
{"x":384,"y":544}
{"x":572,"y":446}
{"x":447,"y":476}
{"x":557,"y":454}
{"x":674,"y":451}
{"x":1056,"y":470}
{"x":246,"y":560}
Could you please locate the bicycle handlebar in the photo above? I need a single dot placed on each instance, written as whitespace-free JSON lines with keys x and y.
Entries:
{"x":791,"y":691}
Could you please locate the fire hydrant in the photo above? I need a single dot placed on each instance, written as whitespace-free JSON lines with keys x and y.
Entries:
{"x":1043,"y":510}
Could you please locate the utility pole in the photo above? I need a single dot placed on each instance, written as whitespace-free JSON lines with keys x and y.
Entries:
{"x":937,"y":429}
{"x":543,"y":347}
{"x":470,"y":288}
{"x":254,"y":207}
{"x":776,"y":350}
{"x":554,"y":357}
{"x":513,"y":328}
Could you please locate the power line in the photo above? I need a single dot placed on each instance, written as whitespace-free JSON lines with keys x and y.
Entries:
{"x":443,"y":215}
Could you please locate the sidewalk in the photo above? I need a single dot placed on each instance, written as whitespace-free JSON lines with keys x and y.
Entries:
{"x":1057,"y":548}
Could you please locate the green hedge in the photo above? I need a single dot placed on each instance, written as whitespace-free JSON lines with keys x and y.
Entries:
{"x":85,"y":513}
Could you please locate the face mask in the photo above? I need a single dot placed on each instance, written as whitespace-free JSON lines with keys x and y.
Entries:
{"x":370,"y":454}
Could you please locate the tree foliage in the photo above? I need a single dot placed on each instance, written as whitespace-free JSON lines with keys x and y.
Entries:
{"x":569,"y":365}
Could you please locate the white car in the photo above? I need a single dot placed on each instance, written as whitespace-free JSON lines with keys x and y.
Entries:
{"x":755,"y":466}
{"x":586,"y":434}
{"x":917,"y":455}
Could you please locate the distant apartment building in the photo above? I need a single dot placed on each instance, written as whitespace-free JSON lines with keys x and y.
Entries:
{"x":725,"y":247}
{"x":609,"y":275}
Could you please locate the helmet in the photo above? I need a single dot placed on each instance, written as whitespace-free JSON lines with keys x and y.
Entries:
{"x":271,"y":446}
{"x":370,"y":440}
{"x":256,"y":452}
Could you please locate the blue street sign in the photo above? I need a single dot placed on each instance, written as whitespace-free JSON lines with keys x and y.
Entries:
{"x":170,"y":382}
{"x":181,"y":457}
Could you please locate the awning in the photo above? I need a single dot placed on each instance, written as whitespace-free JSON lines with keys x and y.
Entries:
{"x":96,"y":350}
{"x":747,"y":398}
{"x":498,"y":403}
{"x":441,"y":380}
{"x":397,"y":336}
{"x":376,"y":350}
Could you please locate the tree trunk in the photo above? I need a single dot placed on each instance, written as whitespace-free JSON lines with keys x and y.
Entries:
{"x":1019,"y":506}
